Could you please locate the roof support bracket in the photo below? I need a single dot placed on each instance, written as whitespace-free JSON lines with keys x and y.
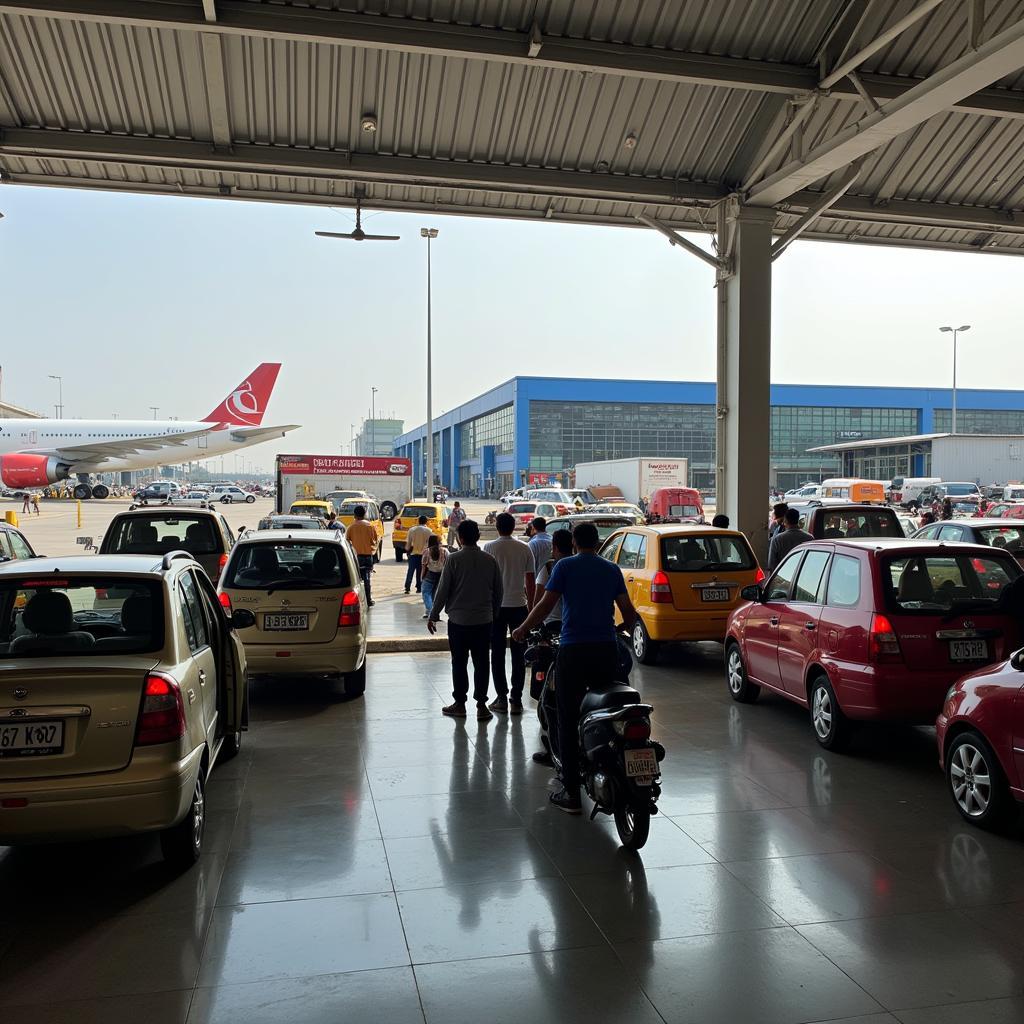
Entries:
{"x":975,"y":22}
{"x":866,"y":97}
{"x":675,"y":238}
{"x":802,"y":110}
{"x":827,"y":201}
{"x":536,"y":41}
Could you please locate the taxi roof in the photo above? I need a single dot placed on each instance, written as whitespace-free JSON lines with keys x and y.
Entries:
{"x":279,"y":536}
{"x":86,"y":565}
{"x":666,"y":529}
{"x":312,"y":501}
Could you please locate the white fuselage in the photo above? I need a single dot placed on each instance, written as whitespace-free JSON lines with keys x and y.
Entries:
{"x":51,"y":436}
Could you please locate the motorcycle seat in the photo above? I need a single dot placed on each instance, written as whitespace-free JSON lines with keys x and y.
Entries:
{"x":612,"y":697}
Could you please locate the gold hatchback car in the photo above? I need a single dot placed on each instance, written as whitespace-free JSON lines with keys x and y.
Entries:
{"x":305,"y":593}
{"x":122,"y":683}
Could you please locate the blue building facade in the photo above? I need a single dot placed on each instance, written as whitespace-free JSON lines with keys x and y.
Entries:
{"x":538,"y":428}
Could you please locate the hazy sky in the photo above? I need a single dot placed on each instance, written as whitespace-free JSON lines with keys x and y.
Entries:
{"x":142,"y":301}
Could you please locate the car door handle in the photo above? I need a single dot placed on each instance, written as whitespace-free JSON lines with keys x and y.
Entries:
{"x":810,"y":625}
{"x":773,"y":622}
{"x":202,"y":678}
{"x":629,"y":579}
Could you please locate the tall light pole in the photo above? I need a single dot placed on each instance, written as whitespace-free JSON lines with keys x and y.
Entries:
{"x":428,"y":234}
{"x":156,"y":409}
{"x":351,"y":439}
{"x":954,"y":331}
{"x":59,"y":409}
{"x":373,"y":421}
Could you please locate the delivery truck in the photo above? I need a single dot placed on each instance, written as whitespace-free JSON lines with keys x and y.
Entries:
{"x":635,"y":478}
{"x":387,"y":480}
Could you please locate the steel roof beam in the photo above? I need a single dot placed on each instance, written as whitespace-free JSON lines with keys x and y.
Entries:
{"x":312,"y":25}
{"x":1002,"y":55}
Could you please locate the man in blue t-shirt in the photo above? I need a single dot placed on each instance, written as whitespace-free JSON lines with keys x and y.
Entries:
{"x":590,"y":588}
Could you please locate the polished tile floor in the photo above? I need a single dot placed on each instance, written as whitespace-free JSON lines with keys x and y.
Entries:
{"x":375,"y":861}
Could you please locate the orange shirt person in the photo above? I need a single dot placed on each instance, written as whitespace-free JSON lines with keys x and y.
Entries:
{"x":363,"y":538}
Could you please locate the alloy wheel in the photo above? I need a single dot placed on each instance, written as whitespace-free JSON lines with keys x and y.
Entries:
{"x":821,"y":712}
{"x":735,"y":670}
{"x":198,"y":815}
{"x":971,"y":780}
{"x":639,"y":641}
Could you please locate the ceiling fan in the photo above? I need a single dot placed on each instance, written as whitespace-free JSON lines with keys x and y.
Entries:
{"x":358,"y":235}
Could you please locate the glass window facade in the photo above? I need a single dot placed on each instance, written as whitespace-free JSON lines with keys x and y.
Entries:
{"x":563,"y":434}
{"x":495,"y":428}
{"x":980,"y":421}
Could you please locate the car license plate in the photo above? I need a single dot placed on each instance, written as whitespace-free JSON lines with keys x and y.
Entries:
{"x":715,"y":594}
{"x":282,"y":622}
{"x":641,"y":765}
{"x":968,"y":650}
{"x":31,"y":739}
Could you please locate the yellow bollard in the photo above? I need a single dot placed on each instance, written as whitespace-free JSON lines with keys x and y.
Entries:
{"x":79,"y":504}
{"x":11,"y":516}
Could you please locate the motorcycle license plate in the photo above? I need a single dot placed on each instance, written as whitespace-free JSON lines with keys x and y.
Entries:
{"x":641,"y":765}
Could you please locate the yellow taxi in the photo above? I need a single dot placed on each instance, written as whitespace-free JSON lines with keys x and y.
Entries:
{"x":684,"y":580}
{"x":347,"y":515}
{"x":307,"y":605}
{"x":409,"y":516}
{"x":312,"y":507}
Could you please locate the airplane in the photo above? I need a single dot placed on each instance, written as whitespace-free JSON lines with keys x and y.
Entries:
{"x":37,"y":452}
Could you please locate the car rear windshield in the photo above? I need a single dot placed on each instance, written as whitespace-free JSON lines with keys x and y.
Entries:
{"x":683,"y":510}
{"x":705,"y":554}
{"x":606,"y":526}
{"x":158,"y":534}
{"x":521,"y":509}
{"x":959,"y":490}
{"x":291,"y":524}
{"x":943,"y":583}
{"x":288,"y":565}
{"x":79,"y":616}
{"x":1009,"y":537}
{"x":416,"y":511}
{"x":308,"y":509}
{"x":877,"y":522}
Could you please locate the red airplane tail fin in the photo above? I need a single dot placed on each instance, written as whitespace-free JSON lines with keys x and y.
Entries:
{"x":246,"y":405}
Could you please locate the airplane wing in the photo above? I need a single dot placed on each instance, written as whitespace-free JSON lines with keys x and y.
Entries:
{"x":261,"y":433}
{"x":100,"y":451}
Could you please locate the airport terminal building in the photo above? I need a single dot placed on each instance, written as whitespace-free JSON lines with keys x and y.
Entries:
{"x":539,"y":428}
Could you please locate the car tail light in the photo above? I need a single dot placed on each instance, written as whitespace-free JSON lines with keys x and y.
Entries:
{"x":349,"y":609}
{"x":225,"y":602}
{"x":637,"y":730}
{"x":661,"y":589}
{"x":221,"y":562}
{"x":759,"y":576}
{"x":884,"y":645}
{"x":162,"y":719}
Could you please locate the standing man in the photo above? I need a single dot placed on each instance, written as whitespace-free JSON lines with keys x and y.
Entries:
{"x":590,"y":588}
{"x":457,"y":516}
{"x":517,"y":579}
{"x":363,"y":538}
{"x":540,"y":544}
{"x":470,"y":588}
{"x":334,"y":523}
{"x":778,"y":519}
{"x":789,"y":537}
{"x":416,"y":542}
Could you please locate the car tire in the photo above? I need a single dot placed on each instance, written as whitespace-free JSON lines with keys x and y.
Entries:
{"x":225,"y":499}
{"x":182,"y":844}
{"x":741,"y":689}
{"x":249,"y":499}
{"x":645,"y":650}
{"x":355,"y":682}
{"x":398,"y":554}
{"x":987,"y":804}
{"x":388,"y":512}
{"x":832,"y":729}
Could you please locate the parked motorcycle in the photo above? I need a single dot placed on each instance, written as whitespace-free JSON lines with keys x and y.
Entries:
{"x":619,"y":762}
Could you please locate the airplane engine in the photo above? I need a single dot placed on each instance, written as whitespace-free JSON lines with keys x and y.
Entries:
{"x":22,"y":469}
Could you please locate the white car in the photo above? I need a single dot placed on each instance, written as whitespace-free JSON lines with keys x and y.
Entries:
{"x":230,"y":493}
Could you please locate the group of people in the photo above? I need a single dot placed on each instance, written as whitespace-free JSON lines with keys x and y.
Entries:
{"x":495,"y":594}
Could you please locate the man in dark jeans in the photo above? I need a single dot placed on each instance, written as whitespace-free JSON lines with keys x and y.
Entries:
{"x":363,"y":538}
{"x":590,"y":588}
{"x":470,"y":588}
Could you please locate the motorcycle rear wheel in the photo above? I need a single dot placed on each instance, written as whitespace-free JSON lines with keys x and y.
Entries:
{"x":633,"y":827}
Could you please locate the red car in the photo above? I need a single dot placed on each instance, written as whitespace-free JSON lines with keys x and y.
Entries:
{"x":872,"y":629}
{"x":980,"y":733}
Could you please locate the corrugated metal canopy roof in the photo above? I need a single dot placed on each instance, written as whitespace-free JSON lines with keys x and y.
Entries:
{"x":578,"y":111}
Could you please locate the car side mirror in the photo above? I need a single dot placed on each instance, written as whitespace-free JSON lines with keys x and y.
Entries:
{"x":1017,"y":660}
{"x":751,"y":593}
{"x":242,"y":618}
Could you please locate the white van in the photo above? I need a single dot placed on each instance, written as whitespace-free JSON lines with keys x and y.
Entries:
{"x":907,"y":490}
{"x":1013,"y":492}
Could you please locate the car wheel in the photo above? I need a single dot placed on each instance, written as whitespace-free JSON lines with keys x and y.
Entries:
{"x":388,"y":512}
{"x":355,"y":682}
{"x":644,"y":648}
{"x":231,"y":746}
{"x":832,"y":728}
{"x":380,"y":551}
{"x":976,"y":782}
{"x":741,"y":689}
{"x":183,"y":843}
{"x":226,"y":500}
{"x":249,"y":499}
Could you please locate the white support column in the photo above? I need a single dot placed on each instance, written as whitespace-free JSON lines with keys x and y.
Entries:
{"x":745,"y":391}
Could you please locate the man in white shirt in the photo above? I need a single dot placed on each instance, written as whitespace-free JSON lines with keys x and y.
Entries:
{"x":416,"y":541}
{"x":515,"y":560}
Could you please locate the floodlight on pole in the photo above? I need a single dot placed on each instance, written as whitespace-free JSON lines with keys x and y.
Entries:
{"x":373,"y":421}
{"x":954,"y":331}
{"x":59,"y":408}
